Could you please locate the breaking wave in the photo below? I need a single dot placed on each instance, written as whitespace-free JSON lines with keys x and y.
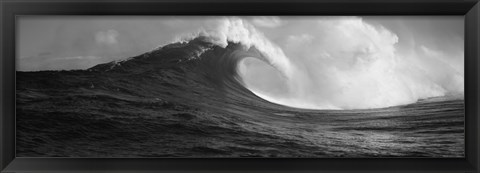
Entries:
{"x":351,"y":65}
{"x":228,"y":91}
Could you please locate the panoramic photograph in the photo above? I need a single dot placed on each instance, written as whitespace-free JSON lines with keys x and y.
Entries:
{"x":240,"y":87}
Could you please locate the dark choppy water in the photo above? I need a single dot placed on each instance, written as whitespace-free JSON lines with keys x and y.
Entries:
{"x":160,"y":105}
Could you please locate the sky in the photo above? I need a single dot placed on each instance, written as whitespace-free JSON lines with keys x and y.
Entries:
{"x":321,"y":62}
{"x":79,"y":42}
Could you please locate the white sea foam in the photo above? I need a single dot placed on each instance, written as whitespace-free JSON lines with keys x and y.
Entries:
{"x":341,"y":63}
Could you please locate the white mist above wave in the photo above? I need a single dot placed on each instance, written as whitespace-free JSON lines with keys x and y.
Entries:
{"x":338,"y":63}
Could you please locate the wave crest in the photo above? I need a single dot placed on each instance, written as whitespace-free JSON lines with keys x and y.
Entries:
{"x":345,"y":64}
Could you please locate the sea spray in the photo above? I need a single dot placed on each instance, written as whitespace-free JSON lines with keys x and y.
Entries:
{"x":342,"y":63}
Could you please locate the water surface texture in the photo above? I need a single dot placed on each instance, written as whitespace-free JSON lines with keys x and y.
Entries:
{"x":187,"y":99}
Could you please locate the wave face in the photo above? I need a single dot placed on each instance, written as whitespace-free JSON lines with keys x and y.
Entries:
{"x":190,"y":100}
{"x":349,"y":64}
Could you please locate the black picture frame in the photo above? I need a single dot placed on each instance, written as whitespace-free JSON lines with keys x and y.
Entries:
{"x":10,"y":9}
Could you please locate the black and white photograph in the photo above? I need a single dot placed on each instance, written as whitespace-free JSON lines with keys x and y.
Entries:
{"x":240,"y":86}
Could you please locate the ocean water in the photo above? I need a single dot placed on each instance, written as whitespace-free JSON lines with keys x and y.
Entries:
{"x":185,"y":100}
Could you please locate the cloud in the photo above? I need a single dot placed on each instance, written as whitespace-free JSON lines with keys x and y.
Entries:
{"x":267,"y":21}
{"x":430,"y":52}
{"x":108,"y":37}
